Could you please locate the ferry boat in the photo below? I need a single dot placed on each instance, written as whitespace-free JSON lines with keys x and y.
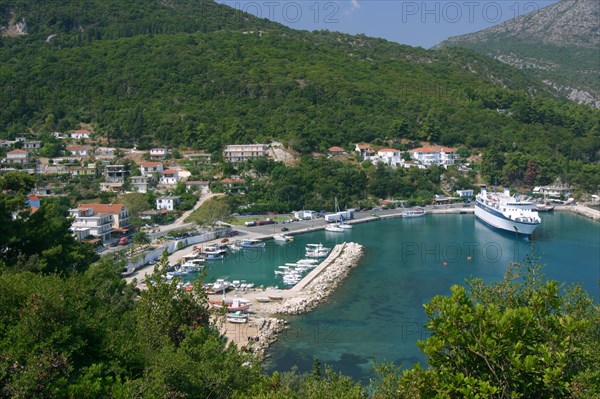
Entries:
{"x":506,"y":212}
{"x":413,"y":213}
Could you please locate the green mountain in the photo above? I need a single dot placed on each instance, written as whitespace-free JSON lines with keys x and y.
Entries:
{"x":202,"y":75}
{"x":560,"y":44}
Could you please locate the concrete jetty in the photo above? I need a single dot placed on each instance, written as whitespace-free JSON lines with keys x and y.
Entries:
{"x":262,"y":329}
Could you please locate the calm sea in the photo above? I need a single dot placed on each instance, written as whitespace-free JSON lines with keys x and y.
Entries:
{"x":377,"y":313}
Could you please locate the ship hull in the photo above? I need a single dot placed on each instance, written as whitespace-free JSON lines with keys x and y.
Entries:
{"x":496,"y":220}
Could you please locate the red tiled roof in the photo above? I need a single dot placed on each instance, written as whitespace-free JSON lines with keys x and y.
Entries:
{"x":336,"y":149}
{"x":103,"y":208}
{"x":17,"y":151}
{"x":363,"y":146}
{"x":78,"y":148}
{"x":80,"y":131}
{"x":169,"y":172}
{"x":388,"y":150}
{"x":33,"y":197}
{"x":233,"y":181}
{"x":150,"y":164}
{"x":433,"y":149}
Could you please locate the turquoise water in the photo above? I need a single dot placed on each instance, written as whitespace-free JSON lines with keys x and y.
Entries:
{"x":377,"y":313}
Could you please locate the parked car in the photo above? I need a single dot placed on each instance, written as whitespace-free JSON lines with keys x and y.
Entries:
{"x":123,"y":241}
{"x":285,"y":229}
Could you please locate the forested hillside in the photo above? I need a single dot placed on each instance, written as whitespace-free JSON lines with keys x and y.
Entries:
{"x":229,"y":77}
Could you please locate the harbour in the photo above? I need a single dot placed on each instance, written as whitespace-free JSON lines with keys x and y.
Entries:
{"x":424,"y":245}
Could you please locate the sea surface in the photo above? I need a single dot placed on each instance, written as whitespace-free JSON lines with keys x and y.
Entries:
{"x":377,"y":314}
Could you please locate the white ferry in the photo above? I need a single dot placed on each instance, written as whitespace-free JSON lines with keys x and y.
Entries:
{"x":506,"y":212}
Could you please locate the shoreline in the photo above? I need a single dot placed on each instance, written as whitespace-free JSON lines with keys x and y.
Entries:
{"x":263,"y":326}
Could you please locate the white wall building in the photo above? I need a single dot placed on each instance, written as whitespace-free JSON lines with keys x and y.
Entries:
{"x":388,"y":156}
{"x":80,"y":134}
{"x":151,"y":168}
{"x":435,"y":155}
{"x":169,"y":176}
{"x":17,"y":157}
{"x":158,"y":153}
{"x":167,"y":203}
{"x":244,"y":152}
{"x":88,"y":223}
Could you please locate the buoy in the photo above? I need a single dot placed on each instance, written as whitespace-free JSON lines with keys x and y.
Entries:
{"x":469,"y":258}
{"x":445,"y":264}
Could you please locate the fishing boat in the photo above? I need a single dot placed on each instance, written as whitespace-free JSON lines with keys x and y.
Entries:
{"x":212,"y":255}
{"x":506,"y":212}
{"x":234,"y":304}
{"x":307,"y":262}
{"x":282,"y":238}
{"x":237,"y":317}
{"x":413,"y":212}
{"x":251,"y":244}
{"x":343,"y":225}
{"x":263,"y":299}
{"x":220,"y":285}
{"x":544,"y":207}
{"x":316,"y":251}
{"x":193,"y":265}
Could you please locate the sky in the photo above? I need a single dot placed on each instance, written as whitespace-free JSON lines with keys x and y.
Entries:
{"x":416,"y":23}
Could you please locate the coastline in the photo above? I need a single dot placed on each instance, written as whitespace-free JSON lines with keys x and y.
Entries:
{"x":264,"y":327}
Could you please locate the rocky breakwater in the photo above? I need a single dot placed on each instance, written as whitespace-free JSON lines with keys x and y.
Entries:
{"x":268,"y":329}
{"x":314,"y":289}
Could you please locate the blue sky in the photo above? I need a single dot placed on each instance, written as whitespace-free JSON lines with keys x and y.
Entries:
{"x":416,"y":23}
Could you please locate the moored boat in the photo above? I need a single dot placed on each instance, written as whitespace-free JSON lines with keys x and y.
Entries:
{"x":506,"y":212}
{"x":282,"y":238}
{"x":251,"y":244}
{"x":413,"y":212}
{"x":334,"y":229}
{"x":316,"y":251}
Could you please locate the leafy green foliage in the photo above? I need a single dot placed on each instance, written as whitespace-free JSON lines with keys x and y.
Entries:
{"x":518,"y":338}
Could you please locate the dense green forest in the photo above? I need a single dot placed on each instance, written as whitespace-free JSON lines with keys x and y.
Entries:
{"x":214,"y":83}
{"x":77,"y":330}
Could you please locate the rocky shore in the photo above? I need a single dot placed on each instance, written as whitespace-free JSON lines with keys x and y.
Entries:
{"x":314,"y":289}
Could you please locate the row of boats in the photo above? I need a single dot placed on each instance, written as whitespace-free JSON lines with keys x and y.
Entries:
{"x":292,"y":273}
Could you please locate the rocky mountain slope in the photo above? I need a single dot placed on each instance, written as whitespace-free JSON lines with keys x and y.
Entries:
{"x":559,"y":44}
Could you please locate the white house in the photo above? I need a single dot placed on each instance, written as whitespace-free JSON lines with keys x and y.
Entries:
{"x":17,"y":157}
{"x":364,"y":150}
{"x":244,"y":152}
{"x":80,"y":134}
{"x":556,"y":191}
{"x":158,"y":153}
{"x":305,"y":215}
{"x":195,"y":185}
{"x":169,"y":176}
{"x":388,"y":156}
{"x":79,"y":150}
{"x":32,"y":145}
{"x":465,"y":193}
{"x":435,"y":155}
{"x":168,"y":203}
{"x":141,"y":184}
{"x":151,"y":168}
{"x":87,"y":222}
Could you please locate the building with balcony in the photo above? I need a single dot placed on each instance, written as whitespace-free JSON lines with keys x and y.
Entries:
{"x":435,"y":155}
{"x":151,"y":168}
{"x":88,"y":223}
{"x":243,"y":152}
{"x":115,"y":173}
{"x":168,"y":203}
{"x":118,"y":212}
{"x":169,"y":176}
{"x":19,"y":157}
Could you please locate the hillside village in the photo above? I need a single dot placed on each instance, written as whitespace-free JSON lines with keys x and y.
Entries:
{"x":96,"y":176}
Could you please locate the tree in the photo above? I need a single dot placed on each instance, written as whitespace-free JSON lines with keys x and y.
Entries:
{"x":211,"y":211}
{"x":518,"y":338}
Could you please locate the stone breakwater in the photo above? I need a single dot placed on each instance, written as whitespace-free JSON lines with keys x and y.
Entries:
{"x":268,"y":330}
{"x":321,"y":286}
{"x":321,"y":283}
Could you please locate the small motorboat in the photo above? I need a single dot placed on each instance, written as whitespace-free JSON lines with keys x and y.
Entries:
{"x":263,"y":299}
{"x":283,"y":238}
{"x":334,"y":229}
{"x":237,"y":317}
